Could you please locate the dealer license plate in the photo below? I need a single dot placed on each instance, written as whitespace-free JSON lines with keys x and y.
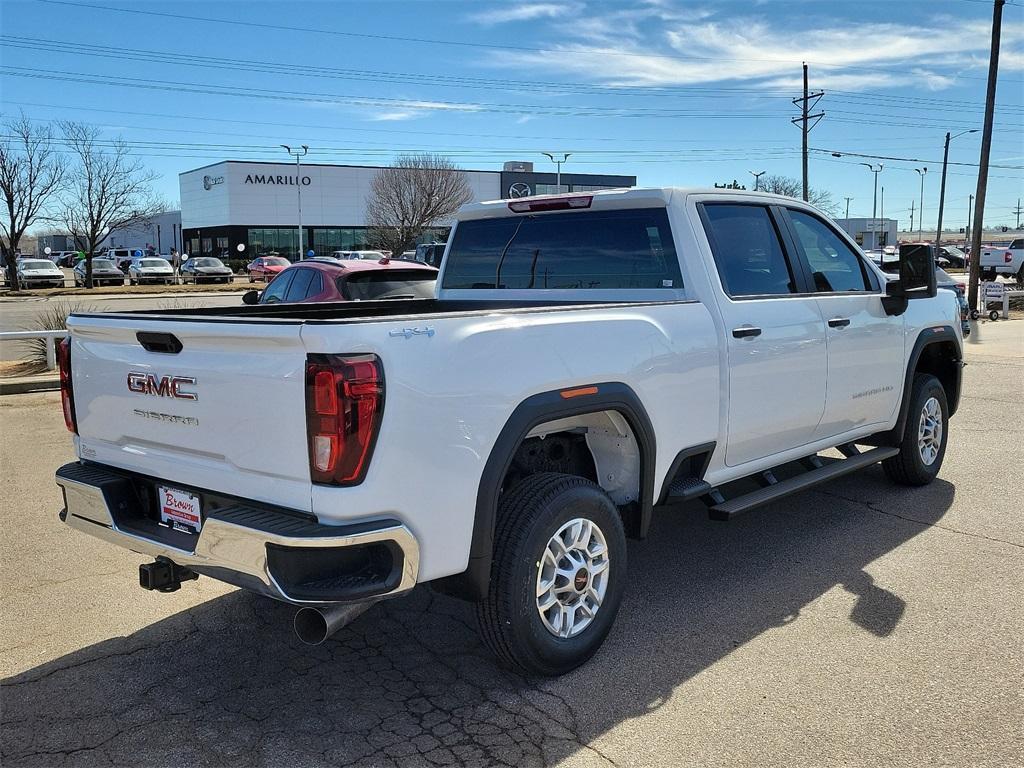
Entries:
{"x":180,"y":510}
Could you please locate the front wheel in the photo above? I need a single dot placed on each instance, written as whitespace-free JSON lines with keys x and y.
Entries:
{"x":925,"y":435}
{"x":558,"y":574}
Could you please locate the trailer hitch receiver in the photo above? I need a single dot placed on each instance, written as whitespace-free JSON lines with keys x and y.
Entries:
{"x":164,"y":575}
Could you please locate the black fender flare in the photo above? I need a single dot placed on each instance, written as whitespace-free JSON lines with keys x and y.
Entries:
{"x":473,"y":583}
{"x":932,"y":335}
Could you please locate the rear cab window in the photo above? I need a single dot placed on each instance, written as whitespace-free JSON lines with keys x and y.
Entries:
{"x":578,"y":250}
{"x":747,"y":248}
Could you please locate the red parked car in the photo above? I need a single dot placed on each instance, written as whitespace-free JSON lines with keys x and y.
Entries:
{"x":325,"y":279}
{"x":266,"y":268}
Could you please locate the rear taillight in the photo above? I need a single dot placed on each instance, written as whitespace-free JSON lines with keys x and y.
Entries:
{"x":1007,"y":257}
{"x":344,"y":406}
{"x":67,"y":394}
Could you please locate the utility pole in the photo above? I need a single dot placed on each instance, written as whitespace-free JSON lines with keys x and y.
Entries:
{"x":986,"y":149}
{"x":1018,"y":212}
{"x":758,"y":174}
{"x":967,"y":235}
{"x":920,"y":211}
{"x":848,"y":206}
{"x":558,"y":167}
{"x":298,"y":188}
{"x":911,"y":215}
{"x":942,"y":186}
{"x":882,"y":218}
{"x":809,"y":101}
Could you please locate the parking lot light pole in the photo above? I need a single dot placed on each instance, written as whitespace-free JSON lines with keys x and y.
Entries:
{"x":757,"y":178}
{"x":874,"y":204}
{"x":920,"y":212}
{"x":558,"y":167}
{"x":942,"y":185}
{"x":298,"y":186}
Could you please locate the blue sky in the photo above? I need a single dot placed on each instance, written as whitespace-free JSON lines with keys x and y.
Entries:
{"x":678,"y":93}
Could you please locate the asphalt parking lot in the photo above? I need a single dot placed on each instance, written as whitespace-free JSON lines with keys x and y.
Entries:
{"x":855,"y":624}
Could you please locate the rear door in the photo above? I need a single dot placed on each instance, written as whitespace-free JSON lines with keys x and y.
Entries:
{"x":774,"y":333}
{"x":226,"y":412}
{"x":865,"y":345}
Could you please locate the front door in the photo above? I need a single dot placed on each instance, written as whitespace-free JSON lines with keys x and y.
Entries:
{"x":865,"y":345}
{"x":774,"y":334}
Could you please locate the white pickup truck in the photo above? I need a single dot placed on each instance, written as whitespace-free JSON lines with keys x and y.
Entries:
{"x":1008,"y":261}
{"x":586,"y":358}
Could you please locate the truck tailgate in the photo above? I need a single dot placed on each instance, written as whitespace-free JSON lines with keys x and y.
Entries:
{"x":226,"y":412}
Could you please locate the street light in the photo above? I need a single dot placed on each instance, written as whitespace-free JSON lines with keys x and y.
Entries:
{"x":298,"y":184}
{"x":920,"y":214}
{"x":874,"y":204}
{"x":558,"y":167}
{"x":942,"y":186}
{"x":757,"y":177}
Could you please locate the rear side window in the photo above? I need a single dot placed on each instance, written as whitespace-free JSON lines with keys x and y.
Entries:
{"x":588,"y":250}
{"x":748,"y":251}
{"x":834,"y":265}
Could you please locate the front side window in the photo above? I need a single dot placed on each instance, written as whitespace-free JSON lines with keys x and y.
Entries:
{"x":299,"y":287}
{"x":834,"y":265}
{"x":276,"y":291}
{"x":747,"y":250}
{"x":589,"y":250}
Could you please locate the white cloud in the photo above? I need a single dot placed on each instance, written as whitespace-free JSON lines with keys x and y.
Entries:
{"x":524,"y":12}
{"x":656,"y":45}
{"x":409,"y":110}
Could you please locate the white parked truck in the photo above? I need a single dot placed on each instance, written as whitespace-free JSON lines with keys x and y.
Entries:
{"x":1007,"y":261}
{"x":586,"y":358}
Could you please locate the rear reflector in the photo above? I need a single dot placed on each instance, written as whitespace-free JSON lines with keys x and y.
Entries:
{"x":67,"y":394}
{"x":344,"y":405}
{"x":550,"y":204}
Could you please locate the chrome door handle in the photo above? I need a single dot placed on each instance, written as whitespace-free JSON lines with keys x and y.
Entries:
{"x":838,"y":322}
{"x":745,"y":333}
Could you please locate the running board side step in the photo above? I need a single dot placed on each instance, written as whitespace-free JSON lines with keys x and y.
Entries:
{"x":727,"y":510}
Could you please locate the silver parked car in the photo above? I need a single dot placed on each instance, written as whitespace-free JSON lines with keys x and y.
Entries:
{"x":150,"y":269}
{"x":39,"y":272}
{"x":205,"y":269}
{"x":104,"y":272}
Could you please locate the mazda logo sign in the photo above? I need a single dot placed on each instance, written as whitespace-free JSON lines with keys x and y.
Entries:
{"x":211,"y":181}
{"x":520,"y":189}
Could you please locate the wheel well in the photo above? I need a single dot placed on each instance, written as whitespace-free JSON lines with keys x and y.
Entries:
{"x":942,"y":361}
{"x":599,"y":446}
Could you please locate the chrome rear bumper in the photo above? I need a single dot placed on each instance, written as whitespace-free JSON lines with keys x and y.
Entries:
{"x":304,"y":564}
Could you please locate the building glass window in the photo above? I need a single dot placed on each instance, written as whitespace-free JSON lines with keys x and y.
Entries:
{"x":551,"y":189}
{"x":207,"y":246}
{"x":591,"y":187}
{"x":222,"y":246}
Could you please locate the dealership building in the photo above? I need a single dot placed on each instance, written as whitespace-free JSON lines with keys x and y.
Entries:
{"x":234,"y":203}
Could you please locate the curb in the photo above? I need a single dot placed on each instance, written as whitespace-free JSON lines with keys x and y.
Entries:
{"x":28,"y":385}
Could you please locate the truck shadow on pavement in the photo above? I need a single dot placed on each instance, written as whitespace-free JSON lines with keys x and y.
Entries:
{"x":408,"y":684}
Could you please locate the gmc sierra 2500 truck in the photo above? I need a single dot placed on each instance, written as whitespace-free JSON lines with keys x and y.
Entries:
{"x":586,"y":358}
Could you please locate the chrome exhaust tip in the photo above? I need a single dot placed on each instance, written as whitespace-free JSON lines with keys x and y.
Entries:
{"x":314,"y":624}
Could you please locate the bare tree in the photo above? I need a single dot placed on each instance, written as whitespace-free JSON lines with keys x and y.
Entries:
{"x":418,"y":191}
{"x":30,"y":172}
{"x":784,"y":185}
{"x":109,"y":189}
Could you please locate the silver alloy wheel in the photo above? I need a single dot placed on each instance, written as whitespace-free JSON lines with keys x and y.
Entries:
{"x":929,"y":431}
{"x":572,"y":577}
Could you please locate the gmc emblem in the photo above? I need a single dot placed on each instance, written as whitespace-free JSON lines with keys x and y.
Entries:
{"x":166,"y":386}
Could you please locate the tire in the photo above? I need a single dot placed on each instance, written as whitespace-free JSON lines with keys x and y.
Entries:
{"x":975,"y":314}
{"x":993,"y":314}
{"x":909,"y":466}
{"x":529,"y":517}
{"x":251,"y":278}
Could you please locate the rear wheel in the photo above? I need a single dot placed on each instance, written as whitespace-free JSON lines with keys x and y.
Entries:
{"x":557,"y":576}
{"x":925,"y":435}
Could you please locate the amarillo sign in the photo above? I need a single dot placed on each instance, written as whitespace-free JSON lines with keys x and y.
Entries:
{"x":259,"y":178}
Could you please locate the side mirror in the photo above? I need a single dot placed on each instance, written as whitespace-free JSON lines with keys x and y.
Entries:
{"x":917,"y":271}
{"x":251,"y":297}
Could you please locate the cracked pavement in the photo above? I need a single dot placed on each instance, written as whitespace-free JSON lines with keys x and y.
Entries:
{"x":854,"y":624}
